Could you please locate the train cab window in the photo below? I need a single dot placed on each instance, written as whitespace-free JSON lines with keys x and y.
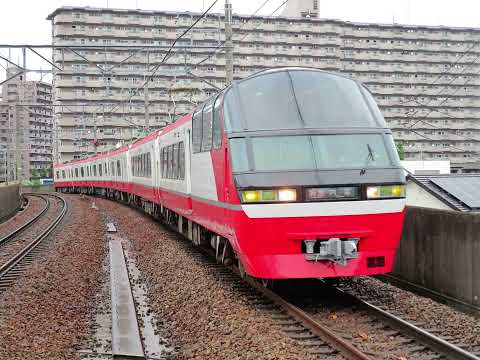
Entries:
{"x":181,"y":160}
{"x":330,"y":101}
{"x":217,"y":128}
{"x":119,"y":171}
{"x":207,"y":126}
{"x":197,"y":131}
{"x":310,"y":99}
{"x":57,"y":174}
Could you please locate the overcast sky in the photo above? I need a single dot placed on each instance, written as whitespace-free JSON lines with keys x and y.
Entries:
{"x":24,"y":21}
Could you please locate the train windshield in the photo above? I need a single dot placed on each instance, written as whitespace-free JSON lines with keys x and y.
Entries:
{"x":300,"y":99}
{"x":314,"y":152}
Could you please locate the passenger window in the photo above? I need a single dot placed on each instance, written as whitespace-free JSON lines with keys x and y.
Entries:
{"x":181,"y":160}
{"x":197,"y":131}
{"x":94,"y":170}
{"x":119,"y":173}
{"x":82,"y":172}
{"x":76,"y":172}
{"x":217,"y":128}
{"x":175,"y":161}
{"x":162,"y":162}
{"x":58,"y":174}
{"x":170,"y":162}
{"x":100,"y":169}
{"x":207,"y":127}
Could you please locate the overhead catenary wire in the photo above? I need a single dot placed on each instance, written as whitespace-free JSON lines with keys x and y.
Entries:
{"x":220,"y":46}
{"x":167,"y":55}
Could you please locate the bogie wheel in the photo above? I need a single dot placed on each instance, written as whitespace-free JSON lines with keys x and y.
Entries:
{"x":241,"y":270}
{"x":269,"y":283}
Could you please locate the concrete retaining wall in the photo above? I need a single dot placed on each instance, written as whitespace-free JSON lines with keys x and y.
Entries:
{"x":10,"y":200}
{"x":440,"y":250}
{"x":37,"y":189}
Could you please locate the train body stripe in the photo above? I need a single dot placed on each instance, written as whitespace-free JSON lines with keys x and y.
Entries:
{"x":338,"y":208}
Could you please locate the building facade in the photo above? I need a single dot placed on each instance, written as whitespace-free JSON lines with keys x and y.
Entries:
{"x":26,"y":126}
{"x":425,"y":79}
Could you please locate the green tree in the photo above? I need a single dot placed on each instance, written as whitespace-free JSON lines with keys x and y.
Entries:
{"x":400,"y":150}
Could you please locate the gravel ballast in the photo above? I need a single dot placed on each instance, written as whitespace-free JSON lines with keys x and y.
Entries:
{"x":49,"y":312}
{"x":457,"y":326}
{"x":203,"y":316}
{"x":35,"y":205}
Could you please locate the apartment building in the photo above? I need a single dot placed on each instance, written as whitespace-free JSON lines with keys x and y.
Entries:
{"x":25,"y":128}
{"x":424,"y":78}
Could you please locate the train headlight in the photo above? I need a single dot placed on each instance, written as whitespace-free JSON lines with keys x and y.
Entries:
{"x":251,"y":196}
{"x":287,"y":195}
{"x":270,"y":195}
{"x":385,"y":191}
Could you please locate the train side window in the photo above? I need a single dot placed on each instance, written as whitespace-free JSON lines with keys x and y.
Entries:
{"x":197,"y":131}
{"x":170,"y":162}
{"x":217,"y":128}
{"x":165,"y":163}
{"x":82,"y":172}
{"x":181,"y":160}
{"x":175,"y":161}
{"x":149,"y":165}
{"x":57,"y":174}
{"x":94,"y":170}
{"x":119,"y":172}
{"x":76,"y":173}
{"x":63,"y":174}
{"x":100,"y":170}
{"x":207,"y":127}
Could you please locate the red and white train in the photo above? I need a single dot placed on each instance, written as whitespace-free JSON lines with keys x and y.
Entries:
{"x":292,"y":172}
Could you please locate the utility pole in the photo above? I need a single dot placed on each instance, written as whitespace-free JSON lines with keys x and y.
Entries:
{"x":228,"y":43}
{"x":147,"y":110}
{"x":95,"y":141}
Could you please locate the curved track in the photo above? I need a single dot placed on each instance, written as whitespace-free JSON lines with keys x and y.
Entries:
{"x":322,"y":339}
{"x":28,"y":223}
{"x":18,"y":262}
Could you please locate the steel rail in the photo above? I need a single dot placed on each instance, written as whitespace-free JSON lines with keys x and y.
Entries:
{"x":451,"y":351}
{"x":15,"y":260}
{"x":28,"y":223}
{"x":463,"y":306}
{"x":344,"y":347}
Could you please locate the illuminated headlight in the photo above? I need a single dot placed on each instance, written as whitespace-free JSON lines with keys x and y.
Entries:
{"x":385,"y":191}
{"x":274,"y":195}
{"x":287,"y":195}
{"x":334,"y":193}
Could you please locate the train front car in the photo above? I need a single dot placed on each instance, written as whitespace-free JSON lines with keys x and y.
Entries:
{"x":316,"y":174}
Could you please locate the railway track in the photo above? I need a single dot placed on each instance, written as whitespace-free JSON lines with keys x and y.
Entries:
{"x":423,"y":291}
{"x":322,"y":339}
{"x":22,"y":244}
{"x":318,"y":333}
{"x":15,"y":232}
